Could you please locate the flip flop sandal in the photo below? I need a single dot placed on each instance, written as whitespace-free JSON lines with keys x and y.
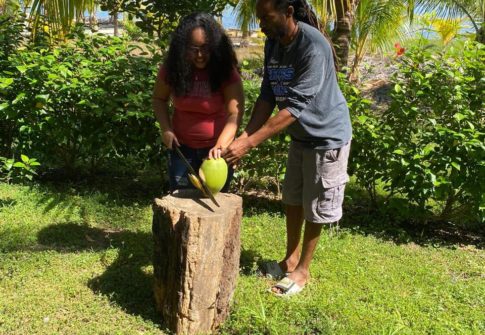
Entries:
{"x":271,"y":270}
{"x":288,"y":288}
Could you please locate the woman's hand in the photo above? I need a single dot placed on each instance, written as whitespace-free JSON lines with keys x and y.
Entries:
{"x":169,"y":138}
{"x":215,"y":152}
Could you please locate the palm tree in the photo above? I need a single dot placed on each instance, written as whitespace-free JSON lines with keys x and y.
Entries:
{"x":377,"y":23}
{"x":9,"y":7}
{"x":341,"y":12}
{"x":446,"y":28}
{"x":474,"y":10}
{"x":245,"y":15}
{"x":57,"y":16}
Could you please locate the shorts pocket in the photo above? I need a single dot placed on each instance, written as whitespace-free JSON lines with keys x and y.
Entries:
{"x":333,"y":176}
{"x":331,"y":199}
{"x":331,"y":169}
{"x":326,"y":200}
{"x":334,"y":180}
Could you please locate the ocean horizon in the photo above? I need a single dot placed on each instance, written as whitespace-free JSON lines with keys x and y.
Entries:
{"x":228,"y":17}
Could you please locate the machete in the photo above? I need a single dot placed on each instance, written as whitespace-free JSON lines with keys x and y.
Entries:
{"x":205,"y":189}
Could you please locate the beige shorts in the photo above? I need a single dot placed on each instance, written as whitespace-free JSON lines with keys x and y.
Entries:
{"x":315,"y":179}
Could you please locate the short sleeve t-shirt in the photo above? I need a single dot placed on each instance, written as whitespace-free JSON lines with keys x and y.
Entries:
{"x":200,"y":115}
{"x":300,"y":77}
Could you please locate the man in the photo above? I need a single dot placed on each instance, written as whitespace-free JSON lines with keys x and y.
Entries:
{"x":300,"y":79}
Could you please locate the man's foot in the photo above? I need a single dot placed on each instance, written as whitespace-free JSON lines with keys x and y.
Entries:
{"x":298,"y":276}
{"x":288,"y":265}
{"x":286,"y":287}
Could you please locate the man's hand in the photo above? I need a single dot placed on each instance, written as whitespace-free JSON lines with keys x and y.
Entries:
{"x":234,"y":152}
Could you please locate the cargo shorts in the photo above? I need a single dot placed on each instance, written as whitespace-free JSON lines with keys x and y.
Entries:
{"x":315,"y":179}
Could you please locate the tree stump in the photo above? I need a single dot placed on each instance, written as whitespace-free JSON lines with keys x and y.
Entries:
{"x":196,"y":259}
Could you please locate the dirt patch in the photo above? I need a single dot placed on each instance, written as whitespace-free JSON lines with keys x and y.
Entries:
{"x":375,"y":79}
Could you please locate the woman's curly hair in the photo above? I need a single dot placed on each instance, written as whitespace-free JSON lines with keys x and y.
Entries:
{"x":222,"y":56}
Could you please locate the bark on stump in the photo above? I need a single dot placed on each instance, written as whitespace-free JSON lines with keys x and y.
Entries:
{"x":196,"y":259}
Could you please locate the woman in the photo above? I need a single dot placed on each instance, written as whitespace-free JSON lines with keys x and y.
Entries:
{"x":200,"y":76}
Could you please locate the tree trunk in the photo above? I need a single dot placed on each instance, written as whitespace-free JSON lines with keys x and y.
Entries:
{"x":481,"y":34}
{"x":196,"y":259}
{"x":343,"y":29}
{"x":115,"y":23}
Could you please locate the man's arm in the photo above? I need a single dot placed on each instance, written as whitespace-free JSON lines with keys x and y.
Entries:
{"x":251,"y":139}
{"x":261,"y":112}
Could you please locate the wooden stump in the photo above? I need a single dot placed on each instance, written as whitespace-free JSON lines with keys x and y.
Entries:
{"x":196,"y":259}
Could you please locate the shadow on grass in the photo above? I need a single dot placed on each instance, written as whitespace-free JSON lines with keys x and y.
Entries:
{"x":256,"y":204}
{"x":249,"y":262}
{"x":395,"y":221}
{"x":124,"y":282}
{"x":122,"y":190}
{"x":5,"y":203}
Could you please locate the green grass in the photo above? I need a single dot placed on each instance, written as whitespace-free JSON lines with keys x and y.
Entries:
{"x":77,"y":260}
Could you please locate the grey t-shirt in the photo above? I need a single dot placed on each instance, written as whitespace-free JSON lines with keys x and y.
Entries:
{"x":301,"y":78}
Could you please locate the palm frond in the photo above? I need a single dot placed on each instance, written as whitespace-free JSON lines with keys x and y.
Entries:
{"x":452,"y":9}
{"x":57,"y":15}
{"x":378,"y":23}
{"x":245,"y":14}
{"x":9,"y":6}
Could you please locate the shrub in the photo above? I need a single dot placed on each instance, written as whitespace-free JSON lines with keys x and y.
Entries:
{"x":429,"y":145}
{"x":264,"y":166}
{"x":23,"y":169}
{"x":83,"y":103}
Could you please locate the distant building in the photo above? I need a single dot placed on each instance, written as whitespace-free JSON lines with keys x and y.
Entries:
{"x":236,"y":33}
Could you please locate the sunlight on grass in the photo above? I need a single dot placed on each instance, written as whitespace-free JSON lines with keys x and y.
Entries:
{"x":76,"y":261}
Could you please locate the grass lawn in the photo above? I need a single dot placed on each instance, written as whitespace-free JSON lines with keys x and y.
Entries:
{"x":76,"y":259}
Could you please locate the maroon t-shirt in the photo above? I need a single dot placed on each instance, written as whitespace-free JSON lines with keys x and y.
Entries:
{"x":200,"y":116}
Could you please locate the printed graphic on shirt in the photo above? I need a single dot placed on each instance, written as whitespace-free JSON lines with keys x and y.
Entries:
{"x":280,"y":77}
{"x":200,"y":89}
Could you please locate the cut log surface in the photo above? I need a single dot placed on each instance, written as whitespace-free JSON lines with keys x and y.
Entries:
{"x":196,"y":259}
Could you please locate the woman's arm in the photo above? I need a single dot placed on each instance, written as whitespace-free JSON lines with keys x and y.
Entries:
{"x":161,"y":95}
{"x":234,"y":104}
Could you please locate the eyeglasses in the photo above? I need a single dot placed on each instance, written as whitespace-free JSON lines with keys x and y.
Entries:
{"x":203,"y":49}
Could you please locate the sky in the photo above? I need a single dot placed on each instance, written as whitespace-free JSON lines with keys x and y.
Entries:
{"x":228,"y":19}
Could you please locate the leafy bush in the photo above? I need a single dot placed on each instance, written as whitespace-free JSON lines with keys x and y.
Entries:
{"x":11,"y":169}
{"x":429,"y":145}
{"x":265,"y":165}
{"x":11,"y":28}
{"x":366,"y":146}
{"x":84,"y":103}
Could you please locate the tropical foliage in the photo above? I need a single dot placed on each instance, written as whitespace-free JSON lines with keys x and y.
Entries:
{"x":159,"y":17}
{"x":57,"y":17}
{"x":473,"y":10}
{"x":9,"y":7}
{"x":446,"y":29}
{"x":377,"y":24}
{"x":428,"y":147}
{"x":84,"y":104}
{"x":369,"y":25}
{"x":245,"y":15}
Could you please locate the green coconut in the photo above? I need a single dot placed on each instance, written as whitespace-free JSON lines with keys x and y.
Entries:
{"x":214,"y":173}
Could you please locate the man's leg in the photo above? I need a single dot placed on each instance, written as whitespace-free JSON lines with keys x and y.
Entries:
{"x":292,"y":198}
{"x":301,"y":274}
{"x":294,"y":224}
